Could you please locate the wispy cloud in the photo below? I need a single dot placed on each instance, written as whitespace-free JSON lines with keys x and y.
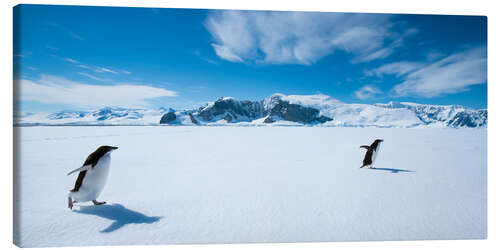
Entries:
{"x":25,"y":54}
{"x":226,"y":53}
{"x":74,"y":35}
{"x":32,"y":68}
{"x":65,"y":30}
{"x":93,"y":77}
{"x":367,"y":92}
{"x":451,"y":74}
{"x":300,"y":37}
{"x":198,"y":54}
{"x":397,"y":68}
{"x":104,"y":70}
{"x":71,"y":60}
{"x":387,"y":50}
{"x":434,"y":55}
{"x":53,"y":89}
{"x":84,"y":66}
{"x":96,"y":69}
{"x":210,"y":61}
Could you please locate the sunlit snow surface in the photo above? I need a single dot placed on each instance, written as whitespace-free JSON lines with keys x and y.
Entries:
{"x":187,"y":184}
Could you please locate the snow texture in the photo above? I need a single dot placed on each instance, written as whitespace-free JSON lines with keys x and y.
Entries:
{"x":199,"y":184}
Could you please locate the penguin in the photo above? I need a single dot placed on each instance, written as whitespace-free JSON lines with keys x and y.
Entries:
{"x":371,"y":153}
{"x":92,"y":177}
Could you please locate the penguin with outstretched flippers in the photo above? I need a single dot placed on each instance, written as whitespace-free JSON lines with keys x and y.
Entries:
{"x":371,"y":153}
{"x":92,"y":177}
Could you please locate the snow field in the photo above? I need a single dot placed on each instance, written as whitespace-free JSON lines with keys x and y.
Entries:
{"x":171,"y":185}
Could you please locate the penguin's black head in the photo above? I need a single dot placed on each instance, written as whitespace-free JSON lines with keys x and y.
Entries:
{"x":105,"y":149}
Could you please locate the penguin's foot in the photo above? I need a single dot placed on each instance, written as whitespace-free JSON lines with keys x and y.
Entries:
{"x":98,"y":202}
{"x":70,"y":203}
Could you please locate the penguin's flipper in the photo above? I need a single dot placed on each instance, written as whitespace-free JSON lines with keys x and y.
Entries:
{"x":365,"y":147}
{"x":82,"y":168}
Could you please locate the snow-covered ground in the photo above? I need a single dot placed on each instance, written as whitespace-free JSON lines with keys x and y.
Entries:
{"x":179,"y":184}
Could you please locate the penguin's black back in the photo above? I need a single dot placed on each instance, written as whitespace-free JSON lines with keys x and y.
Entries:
{"x":375,"y":144}
{"x":369,"y":152}
{"x":92,"y":160}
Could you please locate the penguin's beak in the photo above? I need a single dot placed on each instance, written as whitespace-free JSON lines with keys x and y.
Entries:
{"x":114,"y":148}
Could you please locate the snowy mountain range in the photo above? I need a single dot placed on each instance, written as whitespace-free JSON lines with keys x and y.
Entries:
{"x":278,"y":109}
{"x":103,"y":116}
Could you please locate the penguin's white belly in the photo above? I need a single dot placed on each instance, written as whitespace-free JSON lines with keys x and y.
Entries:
{"x":94,"y":181}
{"x":375,"y":153}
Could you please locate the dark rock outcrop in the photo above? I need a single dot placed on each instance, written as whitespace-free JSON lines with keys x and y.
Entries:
{"x":323,"y":119}
{"x":269,"y":119}
{"x":470,"y":120}
{"x":249,"y":109}
{"x":228,"y":118}
{"x":193,"y":120}
{"x":306,"y":111}
{"x":169,"y":117}
{"x":274,"y":108}
{"x":294,"y":112}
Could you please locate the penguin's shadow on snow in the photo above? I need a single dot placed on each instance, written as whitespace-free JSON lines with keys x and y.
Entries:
{"x":393,"y":170}
{"x":119,"y":214}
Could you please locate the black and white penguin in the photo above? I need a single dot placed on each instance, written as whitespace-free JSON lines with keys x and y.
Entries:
{"x":371,"y":153}
{"x":92,"y":177}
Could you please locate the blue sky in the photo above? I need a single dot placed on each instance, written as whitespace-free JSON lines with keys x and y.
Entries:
{"x":70,"y":57}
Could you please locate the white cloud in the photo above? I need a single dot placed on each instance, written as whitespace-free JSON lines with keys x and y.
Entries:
{"x":397,"y":68}
{"x":102,"y":70}
{"x":66,"y":30}
{"x":93,"y":77}
{"x":208,"y":60}
{"x":84,"y":66}
{"x":367,"y":92}
{"x":74,"y":35}
{"x":300,"y":37}
{"x":71,"y":60}
{"x":387,"y":50}
{"x":226,"y":53}
{"x":452,"y":74}
{"x":230,"y":29}
{"x":53,"y":89}
{"x":434,"y":55}
{"x":378,"y":54}
{"x":96,"y":69}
